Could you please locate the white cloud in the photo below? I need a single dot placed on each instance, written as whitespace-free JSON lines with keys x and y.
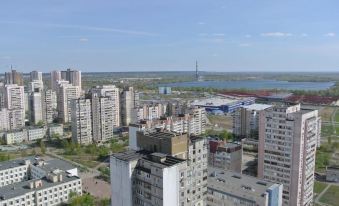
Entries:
{"x":244,"y":45}
{"x":83,"y":39}
{"x":276,"y":34}
{"x":248,"y":36}
{"x":6,"y":57}
{"x":218,"y":34}
{"x":201,"y":23}
{"x":330,"y":34}
{"x":304,"y":35}
{"x":82,"y":27}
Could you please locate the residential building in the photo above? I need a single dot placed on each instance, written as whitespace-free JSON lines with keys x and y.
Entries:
{"x":4,"y":120}
{"x":34,"y":181}
{"x":82,"y":121}
{"x":50,"y":106}
{"x":193,"y":149}
{"x":102,"y":118}
{"x":36,"y":76}
{"x":15,"y":136}
{"x":55,"y":77}
{"x":113,"y":94}
{"x":226,"y":156}
{"x":66,"y":93}
{"x":246,"y":121}
{"x":36,"y":104}
{"x":288,"y":138}
{"x":226,"y":188}
{"x":139,"y":178}
{"x":14,"y":77}
{"x":13,"y":171}
{"x":129,"y":100}
{"x":14,"y":102}
{"x":56,"y":129}
{"x":36,"y":133}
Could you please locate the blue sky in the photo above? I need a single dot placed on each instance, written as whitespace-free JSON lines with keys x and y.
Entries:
{"x":156,"y":35}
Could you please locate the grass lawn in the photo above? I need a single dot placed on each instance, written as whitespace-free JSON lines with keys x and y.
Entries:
{"x":331,"y":196}
{"x":225,"y":122}
{"x":319,"y":187}
{"x":86,"y":160}
{"x":336,"y":116}
{"x":327,"y":130}
{"x":326,"y":113}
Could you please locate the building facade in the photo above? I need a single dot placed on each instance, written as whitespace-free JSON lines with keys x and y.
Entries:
{"x":288,"y":138}
{"x":82,"y":121}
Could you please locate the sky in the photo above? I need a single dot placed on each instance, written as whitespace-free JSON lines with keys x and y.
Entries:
{"x":169,"y":35}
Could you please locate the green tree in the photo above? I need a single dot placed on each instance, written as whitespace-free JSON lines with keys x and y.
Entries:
{"x":84,"y":200}
{"x":40,"y":123}
{"x":42,"y":147}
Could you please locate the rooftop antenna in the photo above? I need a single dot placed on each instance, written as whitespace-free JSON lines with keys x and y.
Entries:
{"x":196,"y":70}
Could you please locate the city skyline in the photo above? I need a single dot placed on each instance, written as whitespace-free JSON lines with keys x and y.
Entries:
{"x":148,"y":36}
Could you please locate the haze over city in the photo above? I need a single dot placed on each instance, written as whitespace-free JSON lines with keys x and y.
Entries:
{"x":152,"y":35}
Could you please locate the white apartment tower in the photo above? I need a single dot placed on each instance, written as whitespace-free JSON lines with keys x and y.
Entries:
{"x":129,"y":101}
{"x":103,"y":120}
{"x":36,"y":107}
{"x":55,"y":77}
{"x":113,"y":94}
{"x":82,"y":121}
{"x":66,"y":93}
{"x":15,"y":103}
{"x":36,"y":76}
{"x":147,"y":179}
{"x":50,"y":105}
{"x":287,"y":147}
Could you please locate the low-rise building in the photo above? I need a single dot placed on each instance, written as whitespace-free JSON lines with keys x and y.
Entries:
{"x":57,"y":129}
{"x":14,"y":171}
{"x":37,"y":181}
{"x":53,"y":189}
{"x":15,"y":137}
{"x":36,"y":133}
{"x":232,"y":189}
{"x":332,"y":174}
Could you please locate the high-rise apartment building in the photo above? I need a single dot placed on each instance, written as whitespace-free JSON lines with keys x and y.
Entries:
{"x":50,"y":105}
{"x":103,"y":121}
{"x":82,"y":121}
{"x":66,"y":93}
{"x":246,"y":120}
{"x":129,"y":100}
{"x":14,"y":102}
{"x":36,"y":111}
{"x":55,"y":77}
{"x":113,"y":94}
{"x":14,"y":77}
{"x":36,"y":76}
{"x":141,"y":178}
{"x":193,"y":149}
{"x":288,"y":138}
{"x":4,"y":120}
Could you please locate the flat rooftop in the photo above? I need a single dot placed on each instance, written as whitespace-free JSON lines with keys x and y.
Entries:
{"x":160,"y":134}
{"x":15,"y":163}
{"x":128,"y":155}
{"x":257,"y":106}
{"x":161,"y":159}
{"x":21,"y":188}
{"x":216,"y":101}
{"x":243,"y":186}
{"x":53,"y":164}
